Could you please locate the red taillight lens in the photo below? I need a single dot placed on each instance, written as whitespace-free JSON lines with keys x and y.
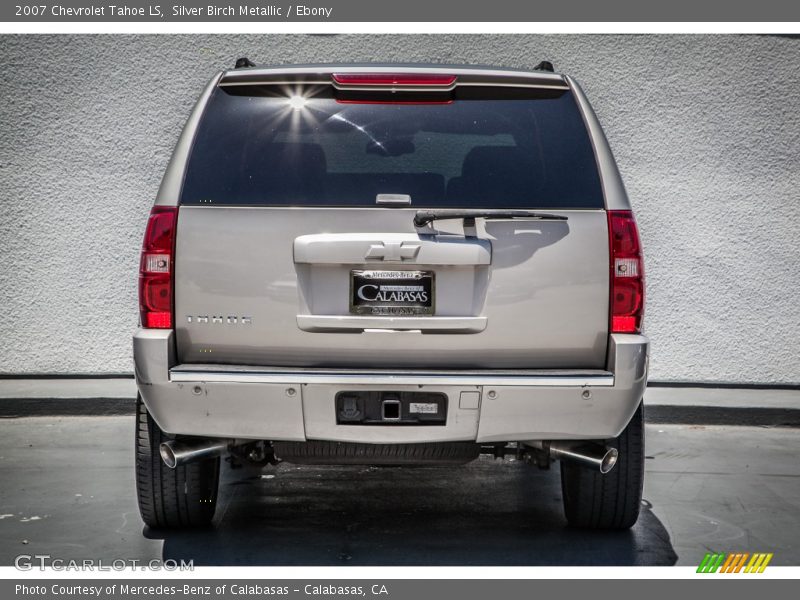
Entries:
{"x":627,"y":273}
{"x":391,"y":79}
{"x":156,"y":268}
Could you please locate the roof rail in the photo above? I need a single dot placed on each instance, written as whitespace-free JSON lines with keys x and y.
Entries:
{"x":545,"y":65}
{"x":245,"y":62}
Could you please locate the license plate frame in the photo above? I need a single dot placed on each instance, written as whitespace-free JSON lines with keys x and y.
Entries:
{"x":385,"y":285}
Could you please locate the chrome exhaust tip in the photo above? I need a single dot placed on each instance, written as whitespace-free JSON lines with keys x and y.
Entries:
{"x":588,"y":454}
{"x":174,"y":453}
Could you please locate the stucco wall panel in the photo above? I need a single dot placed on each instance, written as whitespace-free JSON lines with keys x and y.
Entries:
{"x":706,"y":131}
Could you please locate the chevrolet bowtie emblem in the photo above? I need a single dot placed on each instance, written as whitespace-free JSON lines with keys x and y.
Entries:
{"x":393,"y":251}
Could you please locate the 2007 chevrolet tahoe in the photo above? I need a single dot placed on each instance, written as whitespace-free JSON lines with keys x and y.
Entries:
{"x":384,"y":264}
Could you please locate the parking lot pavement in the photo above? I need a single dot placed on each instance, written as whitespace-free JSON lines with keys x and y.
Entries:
{"x":67,"y":490}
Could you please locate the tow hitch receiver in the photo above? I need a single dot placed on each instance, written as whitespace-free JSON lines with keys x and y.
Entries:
{"x":391,"y":408}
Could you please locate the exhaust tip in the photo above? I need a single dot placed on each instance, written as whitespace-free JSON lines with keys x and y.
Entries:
{"x":168,"y":455}
{"x":609,"y":460}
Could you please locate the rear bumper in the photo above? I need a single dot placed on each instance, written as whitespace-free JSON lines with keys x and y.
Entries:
{"x":298,"y":404}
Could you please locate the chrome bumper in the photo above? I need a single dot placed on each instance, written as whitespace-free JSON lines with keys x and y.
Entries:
{"x":298,"y":404}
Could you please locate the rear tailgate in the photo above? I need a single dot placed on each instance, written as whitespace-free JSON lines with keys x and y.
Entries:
{"x":296,"y":243}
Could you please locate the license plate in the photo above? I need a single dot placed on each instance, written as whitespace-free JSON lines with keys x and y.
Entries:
{"x":391,"y":293}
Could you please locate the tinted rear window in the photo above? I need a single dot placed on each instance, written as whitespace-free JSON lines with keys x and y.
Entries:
{"x":488,"y":148}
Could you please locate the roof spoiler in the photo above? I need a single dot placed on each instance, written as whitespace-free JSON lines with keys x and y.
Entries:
{"x":246,"y":73}
{"x":245,"y":63}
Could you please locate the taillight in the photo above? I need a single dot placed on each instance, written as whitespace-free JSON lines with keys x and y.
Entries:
{"x":627,"y":273}
{"x":156,"y":268}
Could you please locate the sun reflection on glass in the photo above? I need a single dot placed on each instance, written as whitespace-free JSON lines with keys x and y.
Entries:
{"x":297,"y":102}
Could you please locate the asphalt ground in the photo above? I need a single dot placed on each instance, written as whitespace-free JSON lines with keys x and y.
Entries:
{"x":67,"y":490}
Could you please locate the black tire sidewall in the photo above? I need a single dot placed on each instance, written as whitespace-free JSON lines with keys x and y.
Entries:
{"x":611,"y":501}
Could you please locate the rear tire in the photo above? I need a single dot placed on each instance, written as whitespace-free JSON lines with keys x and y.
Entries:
{"x":611,"y":501}
{"x":171,"y":498}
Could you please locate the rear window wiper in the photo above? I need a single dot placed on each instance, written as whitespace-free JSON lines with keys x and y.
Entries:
{"x":424,"y":217}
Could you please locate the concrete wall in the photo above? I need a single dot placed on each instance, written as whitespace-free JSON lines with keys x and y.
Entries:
{"x":706,"y":131}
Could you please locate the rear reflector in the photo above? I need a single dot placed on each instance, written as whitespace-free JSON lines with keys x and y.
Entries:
{"x":155,"y":268}
{"x":394,"y":79}
{"x":627,"y":273}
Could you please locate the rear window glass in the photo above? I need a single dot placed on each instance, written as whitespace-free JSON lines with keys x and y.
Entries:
{"x":488,"y":148}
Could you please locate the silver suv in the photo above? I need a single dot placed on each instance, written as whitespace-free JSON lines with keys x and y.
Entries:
{"x":383,"y":264}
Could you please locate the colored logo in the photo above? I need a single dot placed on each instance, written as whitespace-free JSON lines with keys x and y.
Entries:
{"x":734,"y":562}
